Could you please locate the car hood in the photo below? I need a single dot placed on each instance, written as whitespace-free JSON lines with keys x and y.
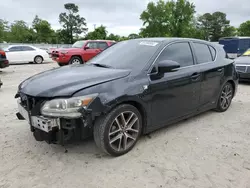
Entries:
{"x":67,"y":80}
{"x":69,"y":49}
{"x":242,"y":60}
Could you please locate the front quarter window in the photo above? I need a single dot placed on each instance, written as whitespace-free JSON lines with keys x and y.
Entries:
{"x":179,"y":52}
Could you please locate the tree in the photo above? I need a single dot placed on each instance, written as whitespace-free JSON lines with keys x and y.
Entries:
{"x":244,"y":29}
{"x":98,"y":33}
{"x":73,"y":24}
{"x":3,"y":30}
{"x":171,"y":18}
{"x":215,"y":25}
{"x":133,"y":36}
{"x":44,"y":32}
{"x":20,"y":32}
{"x":114,"y":37}
{"x":229,"y":31}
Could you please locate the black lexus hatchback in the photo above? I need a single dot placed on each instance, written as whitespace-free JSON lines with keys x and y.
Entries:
{"x":131,"y":88}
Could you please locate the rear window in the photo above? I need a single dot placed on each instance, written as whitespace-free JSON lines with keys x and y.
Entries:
{"x":202,"y":52}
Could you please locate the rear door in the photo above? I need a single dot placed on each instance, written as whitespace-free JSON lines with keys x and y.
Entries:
{"x":211,"y":73}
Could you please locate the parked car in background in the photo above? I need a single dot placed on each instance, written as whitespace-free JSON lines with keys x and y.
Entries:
{"x":80,"y":52}
{"x":3,"y":60}
{"x":131,"y":88}
{"x":26,"y":54}
{"x":235,"y":46}
{"x":242,"y":64}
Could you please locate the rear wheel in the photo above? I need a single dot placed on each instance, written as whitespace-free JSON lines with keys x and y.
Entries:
{"x":75,"y":60}
{"x":117,"y":132}
{"x":38,"y":59}
{"x":225,"y":97}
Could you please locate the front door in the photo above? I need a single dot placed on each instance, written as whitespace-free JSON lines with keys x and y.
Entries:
{"x":177,"y":93}
{"x":91,"y":51}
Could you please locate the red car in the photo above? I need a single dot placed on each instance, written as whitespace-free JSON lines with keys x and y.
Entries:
{"x":80,"y":52}
{"x":3,"y":61}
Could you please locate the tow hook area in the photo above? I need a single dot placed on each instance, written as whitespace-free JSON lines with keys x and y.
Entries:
{"x":87,"y":116}
{"x":19,"y":116}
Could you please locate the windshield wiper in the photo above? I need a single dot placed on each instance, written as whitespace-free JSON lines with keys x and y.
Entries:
{"x":101,"y":65}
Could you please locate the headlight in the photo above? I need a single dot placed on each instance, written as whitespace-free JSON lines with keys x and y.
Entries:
{"x":66,"y":107}
{"x":64,"y":52}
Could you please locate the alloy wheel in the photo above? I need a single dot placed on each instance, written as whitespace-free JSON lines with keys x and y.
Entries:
{"x":226,"y":96}
{"x":124,"y":131}
{"x":38,"y":60}
{"x":76,"y":61}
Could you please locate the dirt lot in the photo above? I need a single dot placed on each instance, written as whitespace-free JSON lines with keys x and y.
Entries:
{"x":210,"y":150}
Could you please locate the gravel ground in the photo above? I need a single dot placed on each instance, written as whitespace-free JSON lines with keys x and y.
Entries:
{"x":210,"y":150}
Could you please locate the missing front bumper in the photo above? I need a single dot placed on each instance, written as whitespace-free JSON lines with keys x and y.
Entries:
{"x":54,"y":130}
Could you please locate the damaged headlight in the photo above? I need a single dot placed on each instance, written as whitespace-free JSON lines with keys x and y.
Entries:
{"x":67,"y":107}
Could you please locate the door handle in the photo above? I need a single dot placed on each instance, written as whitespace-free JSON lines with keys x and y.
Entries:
{"x":220,"y":69}
{"x":195,"y":76}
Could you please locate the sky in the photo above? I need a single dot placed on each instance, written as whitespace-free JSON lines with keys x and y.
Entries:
{"x":119,"y":16}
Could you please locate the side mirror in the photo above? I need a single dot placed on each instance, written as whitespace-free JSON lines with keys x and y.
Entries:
{"x":86,"y":47}
{"x":167,"y":66}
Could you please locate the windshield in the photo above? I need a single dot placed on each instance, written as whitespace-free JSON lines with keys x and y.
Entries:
{"x":78,"y":44}
{"x":131,"y":54}
{"x":246,"y":53}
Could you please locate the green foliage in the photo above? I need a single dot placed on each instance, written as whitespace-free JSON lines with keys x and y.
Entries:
{"x":171,"y":18}
{"x":43,"y":31}
{"x":99,"y":33}
{"x":20,"y":32}
{"x":244,"y":29}
{"x":3,"y":30}
{"x":73,"y":24}
{"x":215,"y":26}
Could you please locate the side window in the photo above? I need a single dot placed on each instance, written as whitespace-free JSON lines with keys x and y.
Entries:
{"x":102,"y":45}
{"x":213,"y":52}
{"x":15,"y":49}
{"x":202,"y":53}
{"x":27,"y":48}
{"x":179,"y":52}
{"x":92,"y":45}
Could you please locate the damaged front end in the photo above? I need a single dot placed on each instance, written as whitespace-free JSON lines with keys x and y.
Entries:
{"x":56,"y":120}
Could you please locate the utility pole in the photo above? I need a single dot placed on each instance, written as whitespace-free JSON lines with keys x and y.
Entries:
{"x":94,"y":26}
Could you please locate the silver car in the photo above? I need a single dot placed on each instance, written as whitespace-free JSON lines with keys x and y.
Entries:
{"x":242,"y":64}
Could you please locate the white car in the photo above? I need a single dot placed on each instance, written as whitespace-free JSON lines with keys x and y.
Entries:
{"x":26,"y":54}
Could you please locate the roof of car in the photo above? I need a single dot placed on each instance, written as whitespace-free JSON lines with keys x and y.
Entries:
{"x":170,"y":39}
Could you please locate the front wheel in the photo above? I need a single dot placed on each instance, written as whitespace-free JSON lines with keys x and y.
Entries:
{"x":117,"y":132}
{"x":75,"y":60}
{"x":225,"y":97}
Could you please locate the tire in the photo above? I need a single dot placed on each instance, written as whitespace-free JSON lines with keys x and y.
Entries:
{"x":109,"y":138}
{"x":225,"y":98}
{"x":61,"y":64}
{"x":75,"y":60}
{"x":38,"y":59}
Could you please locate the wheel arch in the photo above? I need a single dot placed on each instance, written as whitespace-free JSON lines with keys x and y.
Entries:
{"x":140,"y":107}
{"x":77,"y":55}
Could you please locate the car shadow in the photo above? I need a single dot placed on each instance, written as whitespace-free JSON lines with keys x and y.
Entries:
{"x":244,"y":82}
{"x":88,"y":146}
{"x":17,"y":64}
